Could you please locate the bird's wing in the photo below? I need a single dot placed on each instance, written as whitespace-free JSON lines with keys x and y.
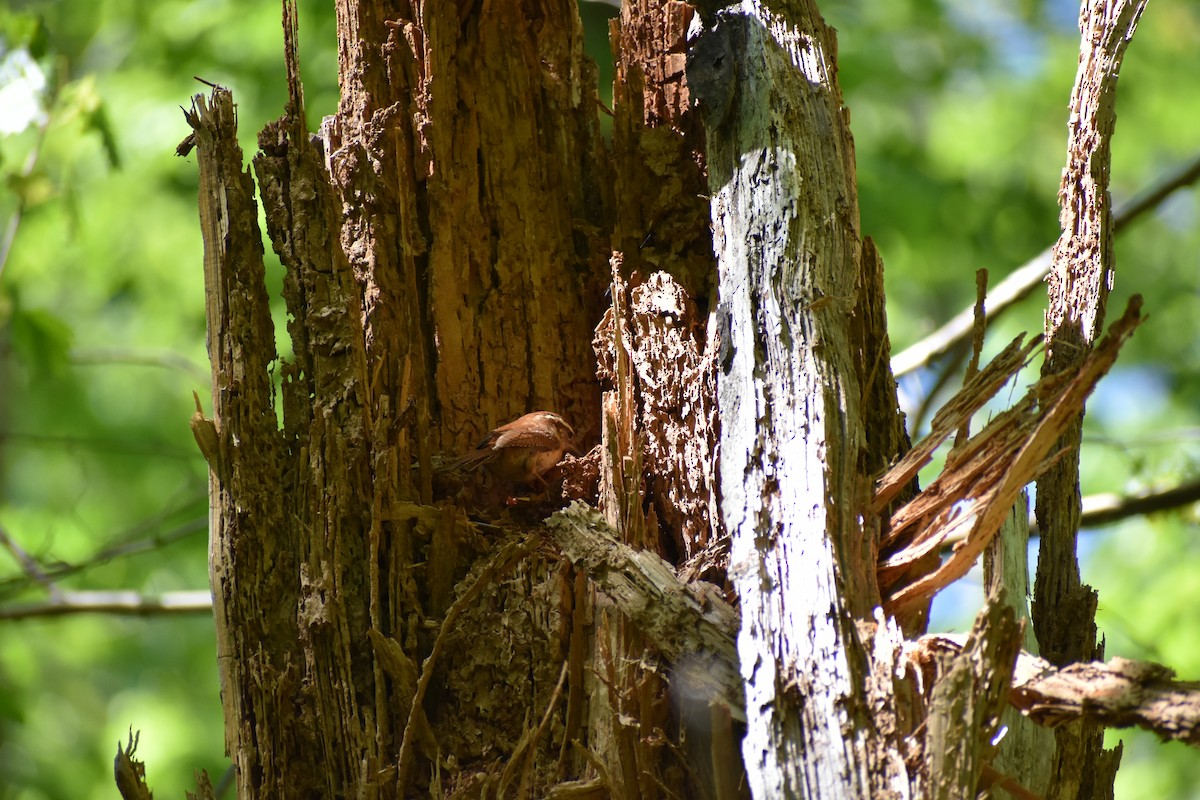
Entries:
{"x":535,"y":438}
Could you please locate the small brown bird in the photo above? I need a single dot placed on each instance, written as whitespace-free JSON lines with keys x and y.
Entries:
{"x":524,"y":450}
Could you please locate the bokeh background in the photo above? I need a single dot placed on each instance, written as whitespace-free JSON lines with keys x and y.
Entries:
{"x":959,"y":112}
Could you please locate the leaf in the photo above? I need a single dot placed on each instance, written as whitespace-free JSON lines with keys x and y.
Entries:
{"x":32,"y":189}
{"x":40,"y":340}
{"x":23,"y":31}
{"x":83,"y":98}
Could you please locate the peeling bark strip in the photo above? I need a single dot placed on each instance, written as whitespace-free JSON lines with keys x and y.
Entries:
{"x":956,"y":412}
{"x":786,"y":234}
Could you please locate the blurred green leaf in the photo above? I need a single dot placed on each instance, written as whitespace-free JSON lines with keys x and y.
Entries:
{"x":40,"y":340}
{"x":31,"y":189}
{"x":82,"y":99}
{"x":23,"y":30}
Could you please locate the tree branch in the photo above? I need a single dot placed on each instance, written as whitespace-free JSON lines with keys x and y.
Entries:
{"x":1024,"y":279}
{"x":1121,"y":693}
{"x":117,"y":602}
{"x":54,"y":571}
{"x":690,"y":624}
{"x":30,"y":566}
{"x":138,"y":357}
{"x":679,"y":619}
{"x":1106,"y":509}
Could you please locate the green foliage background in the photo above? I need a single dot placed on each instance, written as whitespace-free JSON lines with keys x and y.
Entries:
{"x":959,"y":112}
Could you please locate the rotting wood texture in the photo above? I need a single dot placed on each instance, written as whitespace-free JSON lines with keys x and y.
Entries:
{"x":448,"y":239}
{"x":445,"y":247}
{"x":1078,"y":284}
{"x":791,"y":398}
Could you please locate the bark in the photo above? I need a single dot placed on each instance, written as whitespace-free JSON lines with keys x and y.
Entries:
{"x":789,"y":252}
{"x":454,"y":141}
{"x":422,"y":312}
{"x":448,"y":238}
{"x":1121,"y":693}
{"x":653,"y":344}
{"x":1026,"y":751}
{"x":252,"y":568}
{"x":965,"y":705}
{"x":1080,"y":278}
{"x":662,"y":236}
{"x":659,"y":421}
{"x":658,"y":151}
{"x":414,"y":329}
{"x":691,"y":624}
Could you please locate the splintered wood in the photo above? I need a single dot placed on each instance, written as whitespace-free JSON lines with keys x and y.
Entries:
{"x":1121,"y":693}
{"x":691,"y":624}
{"x":668,"y":373}
{"x":971,"y":497}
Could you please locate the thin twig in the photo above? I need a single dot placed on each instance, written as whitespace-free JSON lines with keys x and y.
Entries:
{"x":981,"y":279}
{"x":940,"y":382}
{"x":27,"y":169}
{"x":60,"y":570}
{"x":29,"y":565}
{"x":165,"y":359}
{"x":123,"y":446}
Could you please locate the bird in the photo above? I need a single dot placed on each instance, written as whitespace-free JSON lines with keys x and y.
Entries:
{"x":521,"y":452}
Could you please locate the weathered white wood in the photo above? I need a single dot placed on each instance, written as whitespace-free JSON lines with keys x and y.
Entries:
{"x":1026,"y":750}
{"x":786,"y":235}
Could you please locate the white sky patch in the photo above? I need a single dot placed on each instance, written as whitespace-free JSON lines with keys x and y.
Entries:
{"x":22,"y":87}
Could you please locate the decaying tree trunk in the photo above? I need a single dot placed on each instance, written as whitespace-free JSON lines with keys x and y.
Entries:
{"x":1064,"y":609}
{"x":462,"y":247}
{"x":444,"y":273}
{"x":793,"y":392}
